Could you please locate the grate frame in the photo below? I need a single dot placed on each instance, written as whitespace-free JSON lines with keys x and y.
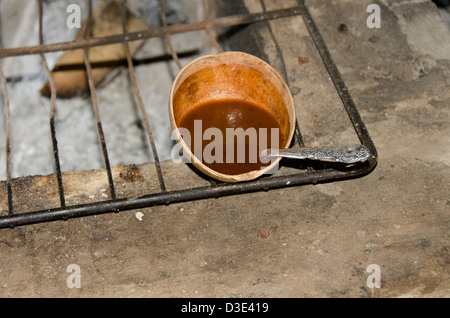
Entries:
{"x":313,"y":174}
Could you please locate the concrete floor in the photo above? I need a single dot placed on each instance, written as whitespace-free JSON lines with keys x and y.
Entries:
{"x":309,"y":241}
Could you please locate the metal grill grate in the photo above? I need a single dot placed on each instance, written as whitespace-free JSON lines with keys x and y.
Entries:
{"x":313,"y":172}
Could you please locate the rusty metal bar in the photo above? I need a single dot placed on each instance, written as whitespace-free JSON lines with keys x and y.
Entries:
{"x":52,"y":114}
{"x":339,"y":83}
{"x":171,"y":197}
{"x":206,"y":16}
{"x":239,"y":19}
{"x":7,"y":132}
{"x":95,"y":107}
{"x":7,"y":142}
{"x":168,"y":39}
{"x":141,"y":105}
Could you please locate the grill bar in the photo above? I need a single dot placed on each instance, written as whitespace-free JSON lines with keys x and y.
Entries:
{"x":215,"y":190}
{"x":62,"y":199}
{"x":339,"y":83}
{"x":172,"y":197}
{"x":239,"y":19}
{"x":7,"y":142}
{"x":206,"y":16}
{"x":168,"y":39}
{"x":140,"y":101}
{"x":95,"y":107}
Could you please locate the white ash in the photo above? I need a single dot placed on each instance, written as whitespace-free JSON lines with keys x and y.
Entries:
{"x":76,"y":129}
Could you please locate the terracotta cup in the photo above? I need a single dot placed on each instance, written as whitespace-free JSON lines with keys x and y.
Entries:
{"x":231,"y":76}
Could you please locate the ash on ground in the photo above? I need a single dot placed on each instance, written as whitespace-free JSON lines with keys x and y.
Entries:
{"x":76,"y":128}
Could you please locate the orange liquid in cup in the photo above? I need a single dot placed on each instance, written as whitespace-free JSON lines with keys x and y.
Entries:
{"x":234,"y":114}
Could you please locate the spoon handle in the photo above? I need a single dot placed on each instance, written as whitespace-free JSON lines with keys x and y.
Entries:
{"x":345,"y":154}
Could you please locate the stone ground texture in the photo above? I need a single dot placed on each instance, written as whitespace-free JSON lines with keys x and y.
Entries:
{"x":309,"y":241}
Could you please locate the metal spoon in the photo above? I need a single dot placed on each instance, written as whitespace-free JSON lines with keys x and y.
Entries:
{"x":344,"y":154}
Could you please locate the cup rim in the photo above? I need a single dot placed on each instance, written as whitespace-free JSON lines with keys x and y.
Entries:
{"x":247,"y":176}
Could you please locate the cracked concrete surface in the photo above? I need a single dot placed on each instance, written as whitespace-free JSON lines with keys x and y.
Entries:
{"x":309,"y":241}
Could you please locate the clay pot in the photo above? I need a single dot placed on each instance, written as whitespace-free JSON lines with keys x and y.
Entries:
{"x":231,"y":76}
